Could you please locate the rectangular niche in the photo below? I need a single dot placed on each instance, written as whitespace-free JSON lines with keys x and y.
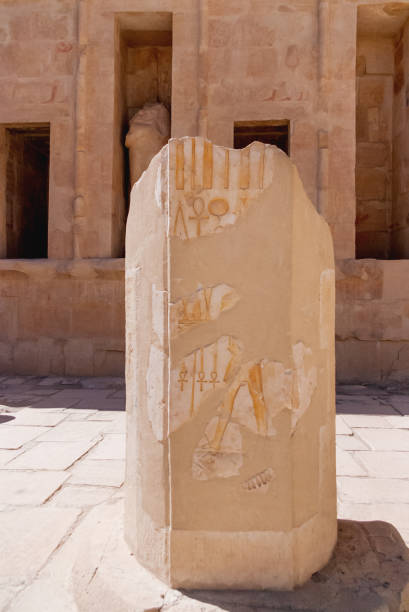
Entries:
{"x":269,"y":132}
{"x":27,"y":161}
{"x":143,"y":74}
{"x":382,"y":134}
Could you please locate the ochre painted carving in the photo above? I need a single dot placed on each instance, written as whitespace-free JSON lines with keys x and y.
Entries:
{"x":180,"y":166}
{"x":203,"y":208}
{"x":226,"y":169}
{"x":180,"y":218}
{"x":204,"y":305}
{"x":193,"y":171}
{"x":201,"y":374}
{"x":207,"y":165}
{"x":256,"y":393}
{"x":218,"y":207}
{"x":245,"y":168}
{"x":199,"y":215}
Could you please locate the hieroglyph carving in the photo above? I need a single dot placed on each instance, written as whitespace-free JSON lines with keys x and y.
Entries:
{"x":259,"y":481}
{"x":253,"y":394}
{"x":206,"y":304}
{"x":205,"y":178}
{"x":202,"y":372}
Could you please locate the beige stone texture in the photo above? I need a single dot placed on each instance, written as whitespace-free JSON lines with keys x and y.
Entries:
{"x":62,"y":317}
{"x":230,"y":381}
{"x":86,"y":67}
{"x":372,"y":320}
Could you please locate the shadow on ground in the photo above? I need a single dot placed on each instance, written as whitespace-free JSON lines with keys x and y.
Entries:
{"x":368,"y":572}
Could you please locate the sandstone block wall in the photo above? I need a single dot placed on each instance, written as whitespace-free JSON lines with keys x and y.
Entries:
{"x":372,"y":321}
{"x":375,"y":76}
{"x":79,"y":65}
{"x":400,"y":213}
{"x":62,"y":317}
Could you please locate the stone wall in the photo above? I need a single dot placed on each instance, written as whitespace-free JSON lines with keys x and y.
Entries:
{"x":60,"y":317}
{"x":232,"y":61}
{"x":375,"y":72}
{"x":37,"y":85}
{"x":400,"y":213}
{"x":372,"y":315}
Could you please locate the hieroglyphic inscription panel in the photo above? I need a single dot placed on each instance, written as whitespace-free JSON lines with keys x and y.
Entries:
{"x":214,"y":186}
{"x":205,"y":304}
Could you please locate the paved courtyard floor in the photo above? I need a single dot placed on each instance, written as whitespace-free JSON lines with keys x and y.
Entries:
{"x":62,"y":450}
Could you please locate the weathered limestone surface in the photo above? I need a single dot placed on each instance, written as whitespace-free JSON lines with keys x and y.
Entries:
{"x":62,"y":317}
{"x":372,"y":327}
{"x":230,"y":370}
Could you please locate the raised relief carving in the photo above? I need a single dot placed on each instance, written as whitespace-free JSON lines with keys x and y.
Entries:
{"x":221,"y":462}
{"x":200,"y":374}
{"x":204,"y":305}
{"x":201,"y":178}
{"x":259,"y":481}
{"x":250,"y":401}
{"x":254,"y":397}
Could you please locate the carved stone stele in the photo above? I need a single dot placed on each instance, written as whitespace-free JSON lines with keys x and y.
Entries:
{"x":149,"y":131}
{"x":230,"y":371}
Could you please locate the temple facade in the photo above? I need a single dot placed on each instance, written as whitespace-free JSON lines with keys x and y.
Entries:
{"x":327,"y":81}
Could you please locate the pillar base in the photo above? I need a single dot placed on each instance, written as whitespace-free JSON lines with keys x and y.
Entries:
{"x":368,"y":571}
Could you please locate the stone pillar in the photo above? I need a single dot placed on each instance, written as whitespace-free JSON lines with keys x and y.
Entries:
{"x":230,"y":370}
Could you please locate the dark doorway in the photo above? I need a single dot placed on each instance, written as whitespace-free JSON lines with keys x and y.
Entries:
{"x":268,"y":132}
{"x":27,"y":173}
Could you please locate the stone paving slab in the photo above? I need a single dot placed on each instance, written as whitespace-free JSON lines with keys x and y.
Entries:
{"x":347,"y":466}
{"x":28,"y":536}
{"x":107,"y":403}
{"x":29,"y":488}
{"x":111,"y":447}
{"x":373,"y":490}
{"x":74,"y":432}
{"x":385,"y":439}
{"x":109,"y":473}
{"x":81,"y":496}
{"x":342,"y":428}
{"x":395,"y":514}
{"x":33,"y":417}
{"x":86,"y":471}
{"x":54,"y":404}
{"x":401,"y":422}
{"x":366,"y":420}
{"x":384,"y":464}
{"x":84,"y":395}
{"x":50,"y":456}
{"x":350,"y":443}
{"x":14,"y":437}
{"x":8,"y":455}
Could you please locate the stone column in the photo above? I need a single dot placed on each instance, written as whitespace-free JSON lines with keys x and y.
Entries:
{"x":230,"y":370}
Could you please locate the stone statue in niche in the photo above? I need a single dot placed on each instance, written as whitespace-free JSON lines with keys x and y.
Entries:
{"x":149,"y":131}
